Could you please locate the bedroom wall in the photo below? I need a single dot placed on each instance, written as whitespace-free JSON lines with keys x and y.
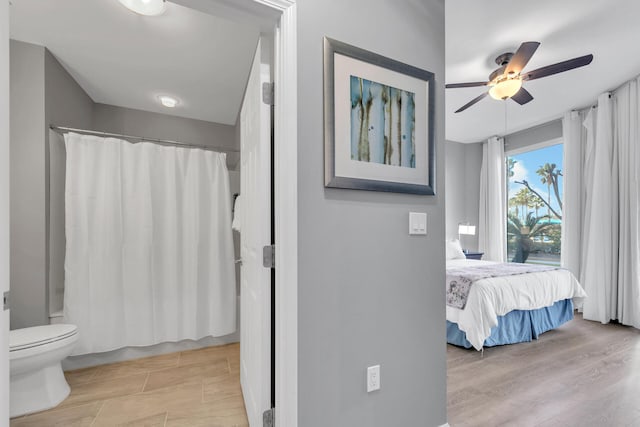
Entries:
{"x":462,"y":170}
{"x":534,"y":135}
{"x":463,"y":163}
{"x":368,"y":293}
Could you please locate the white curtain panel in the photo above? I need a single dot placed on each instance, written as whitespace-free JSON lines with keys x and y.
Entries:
{"x":600,"y":246}
{"x":149,"y":252}
{"x":627,"y":140}
{"x":574,"y":135}
{"x":491,"y":225}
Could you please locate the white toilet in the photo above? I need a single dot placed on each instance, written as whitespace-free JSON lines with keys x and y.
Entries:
{"x":37,"y":381}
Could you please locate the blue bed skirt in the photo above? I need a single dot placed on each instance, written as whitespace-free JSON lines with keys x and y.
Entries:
{"x":518,"y":325}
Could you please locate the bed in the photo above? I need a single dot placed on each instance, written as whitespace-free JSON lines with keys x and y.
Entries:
{"x":510,"y":309}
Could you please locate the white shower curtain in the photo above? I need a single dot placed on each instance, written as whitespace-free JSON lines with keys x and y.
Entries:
{"x":149,"y":252}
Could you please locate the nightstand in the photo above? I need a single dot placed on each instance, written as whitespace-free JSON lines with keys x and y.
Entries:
{"x":474,"y":255}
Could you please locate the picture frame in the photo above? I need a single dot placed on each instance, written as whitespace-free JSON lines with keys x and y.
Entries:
{"x":378,"y":122}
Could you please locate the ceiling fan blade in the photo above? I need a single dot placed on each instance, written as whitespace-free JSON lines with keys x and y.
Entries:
{"x":521,"y":58}
{"x":471,"y":84}
{"x":560,"y":67}
{"x":473,"y":101}
{"x":522,"y":96}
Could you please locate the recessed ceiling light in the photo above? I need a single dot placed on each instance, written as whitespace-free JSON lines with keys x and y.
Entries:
{"x":145,"y":7}
{"x":168,"y":101}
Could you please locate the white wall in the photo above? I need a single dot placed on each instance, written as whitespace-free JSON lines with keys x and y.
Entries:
{"x":368,"y":293}
{"x":4,"y":208}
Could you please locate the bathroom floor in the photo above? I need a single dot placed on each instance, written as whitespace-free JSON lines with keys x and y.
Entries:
{"x":190,"y":388}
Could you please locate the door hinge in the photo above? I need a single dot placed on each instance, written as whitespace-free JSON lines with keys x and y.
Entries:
{"x":267,"y":93}
{"x":268,"y":418}
{"x":6,"y":301}
{"x":269,"y":256}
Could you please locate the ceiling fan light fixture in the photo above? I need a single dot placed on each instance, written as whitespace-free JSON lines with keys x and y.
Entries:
{"x":145,"y":7}
{"x":505,"y":88}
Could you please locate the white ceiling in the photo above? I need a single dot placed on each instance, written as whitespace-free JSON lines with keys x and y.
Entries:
{"x":479,"y":30}
{"x":123,"y":59}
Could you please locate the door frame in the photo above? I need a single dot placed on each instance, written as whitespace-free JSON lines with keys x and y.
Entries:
{"x":286,"y":213}
{"x":285,"y":175}
{"x":281,"y":15}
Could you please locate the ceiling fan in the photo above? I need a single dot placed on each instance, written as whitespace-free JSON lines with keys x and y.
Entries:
{"x":506,"y":80}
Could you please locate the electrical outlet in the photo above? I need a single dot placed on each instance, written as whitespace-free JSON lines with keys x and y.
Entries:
{"x":373,"y":378}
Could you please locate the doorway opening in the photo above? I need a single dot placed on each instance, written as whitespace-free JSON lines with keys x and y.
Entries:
{"x":281,"y":91}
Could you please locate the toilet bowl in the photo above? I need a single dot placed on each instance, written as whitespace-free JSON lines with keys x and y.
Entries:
{"x":37,"y":381}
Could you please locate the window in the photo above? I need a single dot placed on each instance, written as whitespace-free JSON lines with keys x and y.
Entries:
{"x":534,"y":210}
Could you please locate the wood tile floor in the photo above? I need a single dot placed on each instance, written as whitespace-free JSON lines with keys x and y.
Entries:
{"x":190,"y":388}
{"x":582,"y":374}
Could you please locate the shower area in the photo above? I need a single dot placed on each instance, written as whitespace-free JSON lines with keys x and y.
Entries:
{"x":148,"y":251}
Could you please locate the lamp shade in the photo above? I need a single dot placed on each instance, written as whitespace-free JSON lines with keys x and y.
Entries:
{"x":467,"y":229}
{"x":505,"y":89}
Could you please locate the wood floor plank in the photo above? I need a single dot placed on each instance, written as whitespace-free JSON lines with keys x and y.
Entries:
{"x":583,"y":373}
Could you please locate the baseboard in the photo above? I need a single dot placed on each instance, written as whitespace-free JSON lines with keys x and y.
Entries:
{"x":445,"y":425}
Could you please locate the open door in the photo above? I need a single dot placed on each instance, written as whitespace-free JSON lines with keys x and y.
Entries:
{"x":255,"y":234}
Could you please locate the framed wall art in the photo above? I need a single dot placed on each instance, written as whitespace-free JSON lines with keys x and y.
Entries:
{"x":379,"y":118}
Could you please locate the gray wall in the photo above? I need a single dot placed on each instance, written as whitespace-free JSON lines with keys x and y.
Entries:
{"x":462,"y":173}
{"x":368,"y":293}
{"x":28,"y":208}
{"x":534,"y":135}
{"x":109,"y":118}
{"x":42,"y":92}
{"x":65,"y":103}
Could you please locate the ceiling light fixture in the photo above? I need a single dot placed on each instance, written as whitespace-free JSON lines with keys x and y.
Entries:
{"x":145,"y":7}
{"x":168,"y":101}
{"x":506,"y":88}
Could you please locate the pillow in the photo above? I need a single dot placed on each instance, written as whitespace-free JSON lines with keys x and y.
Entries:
{"x":454,"y":250}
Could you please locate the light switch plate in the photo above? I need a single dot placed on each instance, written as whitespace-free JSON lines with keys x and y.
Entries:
{"x":417,"y":223}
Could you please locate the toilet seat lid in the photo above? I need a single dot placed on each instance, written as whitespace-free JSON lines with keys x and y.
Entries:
{"x":20,"y":339}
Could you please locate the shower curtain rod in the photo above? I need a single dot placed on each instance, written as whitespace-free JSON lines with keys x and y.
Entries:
{"x":141,"y":139}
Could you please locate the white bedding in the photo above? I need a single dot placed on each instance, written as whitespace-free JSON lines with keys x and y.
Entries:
{"x":497,"y":296}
